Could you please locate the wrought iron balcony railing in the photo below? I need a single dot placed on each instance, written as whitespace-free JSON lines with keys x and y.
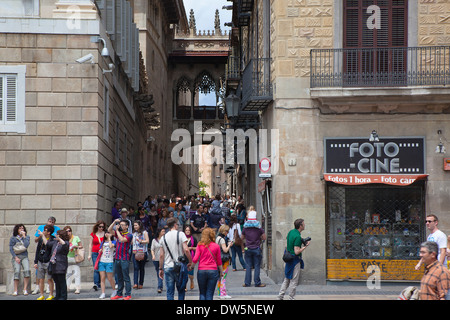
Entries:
{"x":380,"y":67}
{"x":233,"y":70}
{"x":256,"y":85}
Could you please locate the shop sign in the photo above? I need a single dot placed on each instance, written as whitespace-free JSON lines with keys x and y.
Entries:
{"x":362,"y":269}
{"x":359,"y":161}
{"x":358,"y":179}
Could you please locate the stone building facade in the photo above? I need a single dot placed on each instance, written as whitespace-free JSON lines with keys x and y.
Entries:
{"x":74,"y":134}
{"x":328,"y":91}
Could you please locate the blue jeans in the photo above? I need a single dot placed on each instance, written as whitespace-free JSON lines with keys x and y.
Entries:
{"x":253,"y":260}
{"x":160,"y":282}
{"x":237,"y":249}
{"x":139,"y":270}
{"x":172,"y":282}
{"x":96,"y":273}
{"x":122,"y":268}
{"x":207,"y":282}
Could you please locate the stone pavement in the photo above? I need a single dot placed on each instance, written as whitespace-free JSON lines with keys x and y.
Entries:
{"x":333,"y":291}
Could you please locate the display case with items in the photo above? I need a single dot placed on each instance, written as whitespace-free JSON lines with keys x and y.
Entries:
{"x":367,"y":228}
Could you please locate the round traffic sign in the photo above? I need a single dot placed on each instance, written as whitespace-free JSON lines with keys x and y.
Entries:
{"x":264,"y":165}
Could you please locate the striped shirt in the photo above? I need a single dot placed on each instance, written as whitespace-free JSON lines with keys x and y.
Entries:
{"x":123,"y":248}
{"x":435,"y":282}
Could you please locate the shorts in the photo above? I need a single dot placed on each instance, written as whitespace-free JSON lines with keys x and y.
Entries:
{"x":42,"y":270}
{"x":106,"y":267}
{"x":24,"y":264}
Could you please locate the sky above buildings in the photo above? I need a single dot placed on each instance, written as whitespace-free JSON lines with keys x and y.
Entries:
{"x":205,"y":12}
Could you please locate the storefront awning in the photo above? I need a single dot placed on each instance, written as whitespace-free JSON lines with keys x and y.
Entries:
{"x":390,"y":179}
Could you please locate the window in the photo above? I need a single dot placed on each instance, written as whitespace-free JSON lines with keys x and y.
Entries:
{"x":375,"y":221}
{"x":19,"y":8}
{"x":375,"y":35}
{"x":12,"y":99}
{"x":117,"y":143}
{"x":106,"y":112}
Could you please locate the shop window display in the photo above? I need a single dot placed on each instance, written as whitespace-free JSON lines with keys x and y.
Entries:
{"x":375,"y":221}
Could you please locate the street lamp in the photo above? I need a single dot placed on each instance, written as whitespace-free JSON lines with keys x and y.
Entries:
{"x":232,"y":104}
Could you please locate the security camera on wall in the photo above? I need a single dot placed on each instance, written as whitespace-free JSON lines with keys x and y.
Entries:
{"x":87,"y":58}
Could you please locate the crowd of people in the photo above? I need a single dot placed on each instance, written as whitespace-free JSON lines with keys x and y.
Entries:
{"x":177,"y":234}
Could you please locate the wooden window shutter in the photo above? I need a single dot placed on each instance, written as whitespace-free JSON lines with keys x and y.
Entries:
{"x":110,"y":18}
{"x":8,"y":98}
{"x":118,"y":40}
{"x":394,"y":21}
{"x":11,"y":98}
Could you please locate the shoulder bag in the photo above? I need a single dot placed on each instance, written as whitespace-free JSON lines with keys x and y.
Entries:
{"x":287,"y":256}
{"x":237,"y":238}
{"x":19,"y":247}
{"x":79,"y":255}
{"x":176,"y":263}
{"x":224,"y":256}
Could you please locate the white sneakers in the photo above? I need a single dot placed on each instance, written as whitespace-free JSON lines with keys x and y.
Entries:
{"x":113,"y":294}
{"x":224,"y":297}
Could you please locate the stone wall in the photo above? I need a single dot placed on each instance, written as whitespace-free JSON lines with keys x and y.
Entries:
{"x":297,"y":26}
{"x":58,"y":167}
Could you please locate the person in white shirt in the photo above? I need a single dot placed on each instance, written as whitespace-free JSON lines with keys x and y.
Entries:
{"x":437,"y":236}
{"x":106,"y":264}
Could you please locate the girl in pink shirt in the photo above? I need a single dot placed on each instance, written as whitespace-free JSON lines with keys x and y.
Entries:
{"x":209,"y":264}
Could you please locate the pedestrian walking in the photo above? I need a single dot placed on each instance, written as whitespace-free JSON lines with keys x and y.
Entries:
{"x":173,"y":249}
{"x":18,"y":247}
{"x":154,"y":249}
{"x":209,"y":261}
{"x":59,"y":263}
{"x":435,"y":283}
{"x":198,"y":222}
{"x":140,"y":253}
{"x":97,"y":237}
{"x":225,"y":251}
{"x":106,"y":264}
{"x":73,"y":271}
{"x":253,"y":234}
{"x":237,"y":248}
{"x":437,"y":236}
{"x":295,"y":247}
{"x":192,"y":245}
{"x":122,"y":257}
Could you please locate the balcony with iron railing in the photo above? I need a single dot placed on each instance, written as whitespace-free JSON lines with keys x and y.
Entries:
{"x":256,"y":85}
{"x":384,"y":80}
{"x":380,"y":67}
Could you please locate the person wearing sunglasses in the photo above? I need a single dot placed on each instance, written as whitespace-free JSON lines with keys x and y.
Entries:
{"x":73,"y":271}
{"x":437,"y":236}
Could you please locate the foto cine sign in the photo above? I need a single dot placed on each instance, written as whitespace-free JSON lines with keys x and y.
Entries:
{"x":387,"y":156}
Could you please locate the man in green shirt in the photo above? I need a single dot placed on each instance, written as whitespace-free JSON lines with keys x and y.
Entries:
{"x":292,"y":269}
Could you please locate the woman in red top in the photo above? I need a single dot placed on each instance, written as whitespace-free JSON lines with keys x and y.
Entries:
{"x":97,"y":237}
{"x":210,"y":269}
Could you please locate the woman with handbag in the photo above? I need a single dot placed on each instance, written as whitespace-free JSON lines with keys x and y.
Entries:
{"x":97,"y":237}
{"x":75,"y":250}
{"x":18,"y":246}
{"x":225,"y":245}
{"x":209,"y":261}
{"x":234,"y":235}
{"x":140,"y":248}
